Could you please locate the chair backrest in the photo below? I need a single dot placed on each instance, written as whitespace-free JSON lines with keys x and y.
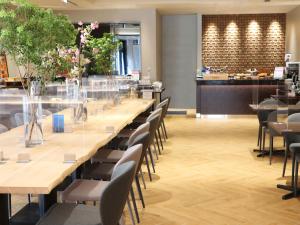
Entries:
{"x":143,"y":139}
{"x":263,"y":115}
{"x":269,"y":101}
{"x":154,"y":114}
{"x":141,"y":129}
{"x":46,"y":112}
{"x":164,"y":106}
{"x":133,"y":153}
{"x":294,"y":117}
{"x":3,"y":128}
{"x":19,"y":119}
{"x":114,"y":196}
{"x":290,"y":137}
{"x":154,"y":120}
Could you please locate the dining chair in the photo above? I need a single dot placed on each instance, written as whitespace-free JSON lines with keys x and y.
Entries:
{"x":295,"y":150}
{"x":291,"y":138}
{"x":112,"y":200}
{"x":97,"y":177}
{"x":154,"y":119}
{"x":3,"y":128}
{"x":163,"y":105}
{"x":95,"y":172}
{"x":262,"y":116}
{"x":113,"y":156}
{"x":19,"y":119}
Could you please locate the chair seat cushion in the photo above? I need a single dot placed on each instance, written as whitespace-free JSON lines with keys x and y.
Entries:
{"x":84,"y":190}
{"x":108,"y":156}
{"x":99,"y":171}
{"x":71,"y":214}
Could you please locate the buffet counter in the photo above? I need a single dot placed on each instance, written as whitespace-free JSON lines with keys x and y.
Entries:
{"x":232,"y":97}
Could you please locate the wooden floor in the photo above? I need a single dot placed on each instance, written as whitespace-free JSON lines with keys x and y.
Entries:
{"x":208,"y":175}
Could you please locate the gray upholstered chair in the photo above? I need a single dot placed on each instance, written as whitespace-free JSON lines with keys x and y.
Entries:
{"x":155,"y":119}
{"x":96,"y":171}
{"x":295,"y":150}
{"x":112,"y":202}
{"x":19,"y":119}
{"x":46,"y":112}
{"x":82,"y":190}
{"x":290,"y":139}
{"x":113,"y":156}
{"x":165,"y":106}
{"x":262,"y":116}
{"x":3,"y":128}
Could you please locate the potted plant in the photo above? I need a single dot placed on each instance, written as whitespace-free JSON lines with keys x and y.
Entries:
{"x":102,"y":52}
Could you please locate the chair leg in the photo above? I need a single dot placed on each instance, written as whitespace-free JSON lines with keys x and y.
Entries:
{"x":164,"y":127}
{"x":155,"y":150}
{"x":138,"y":185}
{"x":9,"y":202}
{"x":271,"y":148}
{"x":296,"y":179}
{"x":162,"y":133}
{"x":285,"y":160}
{"x":156,"y":140}
{"x":29,"y":198}
{"x":264,"y":140}
{"x":160,"y":140}
{"x":148,"y":167}
{"x":130,"y":211}
{"x":134,"y":205}
{"x":151,"y":158}
{"x":293,"y":169}
{"x":259,"y":135}
{"x":143,"y":180}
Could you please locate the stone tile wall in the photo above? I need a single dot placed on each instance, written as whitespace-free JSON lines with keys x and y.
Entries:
{"x":241,"y":42}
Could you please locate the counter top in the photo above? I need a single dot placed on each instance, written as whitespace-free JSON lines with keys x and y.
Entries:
{"x":238,"y":82}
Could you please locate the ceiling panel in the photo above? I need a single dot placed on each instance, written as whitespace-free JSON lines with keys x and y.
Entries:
{"x":180,"y":6}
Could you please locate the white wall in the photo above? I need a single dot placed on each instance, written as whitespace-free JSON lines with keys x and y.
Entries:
{"x":293,"y":34}
{"x":179,"y":58}
{"x":150,"y":37}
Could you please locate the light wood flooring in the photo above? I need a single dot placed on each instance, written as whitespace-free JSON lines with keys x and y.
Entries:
{"x":208,"y":175}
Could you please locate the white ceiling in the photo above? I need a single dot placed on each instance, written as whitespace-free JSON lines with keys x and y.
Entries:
{"x":180,"y":6}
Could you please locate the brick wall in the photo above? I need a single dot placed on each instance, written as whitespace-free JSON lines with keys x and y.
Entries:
{"x":242,"y":42}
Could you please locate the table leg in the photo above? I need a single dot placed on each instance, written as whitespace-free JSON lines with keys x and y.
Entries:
{"x":46,"y":201}
{"x":4,"y":209}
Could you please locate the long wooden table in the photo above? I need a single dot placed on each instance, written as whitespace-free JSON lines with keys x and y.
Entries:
{"x":46,"y":169}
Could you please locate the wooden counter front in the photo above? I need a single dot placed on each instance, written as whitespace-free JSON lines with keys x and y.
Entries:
{"x":232,"y":97}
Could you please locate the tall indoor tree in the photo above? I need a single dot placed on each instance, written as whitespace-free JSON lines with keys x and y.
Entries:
{"x":28,"y":33}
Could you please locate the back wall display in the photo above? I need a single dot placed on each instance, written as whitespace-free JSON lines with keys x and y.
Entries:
{"x":241,"y":42}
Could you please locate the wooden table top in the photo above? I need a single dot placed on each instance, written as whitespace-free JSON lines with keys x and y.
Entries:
{"x":256,"y":107}
{"x":46,"y":168}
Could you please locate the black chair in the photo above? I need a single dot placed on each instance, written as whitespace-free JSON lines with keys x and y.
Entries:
{"x":112,"y":202}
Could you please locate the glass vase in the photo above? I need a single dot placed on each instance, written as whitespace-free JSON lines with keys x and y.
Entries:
{"x":32,"y":116}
